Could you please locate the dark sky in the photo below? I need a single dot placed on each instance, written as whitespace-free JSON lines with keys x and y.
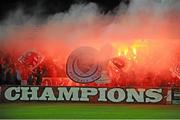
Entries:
{"x":44,"y":8}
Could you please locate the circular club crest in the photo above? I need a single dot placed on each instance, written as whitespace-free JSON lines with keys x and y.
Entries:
{"x":82,"y":65}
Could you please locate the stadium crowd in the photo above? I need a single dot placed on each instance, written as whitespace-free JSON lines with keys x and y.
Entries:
{"x":13,"y":73}
{"x":9,"y":74}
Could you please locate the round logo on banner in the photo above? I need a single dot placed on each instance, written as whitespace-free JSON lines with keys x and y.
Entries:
{"x":83,"y":66}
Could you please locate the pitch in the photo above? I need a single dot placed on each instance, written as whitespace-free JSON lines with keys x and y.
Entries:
{"x":87,"y":111}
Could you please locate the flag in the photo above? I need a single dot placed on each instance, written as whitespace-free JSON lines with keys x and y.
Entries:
{"x":31,"y":59}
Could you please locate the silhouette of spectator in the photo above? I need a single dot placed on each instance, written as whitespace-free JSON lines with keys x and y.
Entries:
{"x":18,"y":74}
{"x":30,"y":80}
{"x":9,"y":77}
{"x":38,"y":76}
{"x":18,"y":77}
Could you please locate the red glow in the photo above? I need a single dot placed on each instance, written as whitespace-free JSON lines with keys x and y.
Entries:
{"x":134,"y":55}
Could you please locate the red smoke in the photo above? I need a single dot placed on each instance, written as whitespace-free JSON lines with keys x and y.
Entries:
{"x":148,"y":43}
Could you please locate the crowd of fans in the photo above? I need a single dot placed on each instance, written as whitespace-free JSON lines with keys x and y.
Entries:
{"x":13,"y":73}
{"x":9,"y":72}
{"x":133,"y":75}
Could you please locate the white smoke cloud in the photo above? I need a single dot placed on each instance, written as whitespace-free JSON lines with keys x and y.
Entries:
{"x":88,"y":14}
{"x":77,"y":13}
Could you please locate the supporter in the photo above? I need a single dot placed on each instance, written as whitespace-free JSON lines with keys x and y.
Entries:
{"x":30,"y":79}
{"x":39,"y":74}
{"x":10,"y":77}
{"x":18,"y":77}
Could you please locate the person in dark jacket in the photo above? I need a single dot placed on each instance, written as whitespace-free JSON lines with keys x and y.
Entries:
{"x":30,"y":80}
{"x":39,"y":76}
{"x":18,"y":75}
{"x":9,"y":77}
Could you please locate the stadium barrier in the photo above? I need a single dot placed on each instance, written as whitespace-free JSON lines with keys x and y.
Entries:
{"x":90,"y":94}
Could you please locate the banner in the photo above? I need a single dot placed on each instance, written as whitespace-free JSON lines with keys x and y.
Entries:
{"x":85,"y":94}
{"x":176,"y":96}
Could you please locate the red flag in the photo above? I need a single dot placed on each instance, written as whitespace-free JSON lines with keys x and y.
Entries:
{"x":31,"y":59}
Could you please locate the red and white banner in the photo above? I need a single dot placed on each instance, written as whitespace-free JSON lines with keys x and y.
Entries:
{"x":31,"y":59}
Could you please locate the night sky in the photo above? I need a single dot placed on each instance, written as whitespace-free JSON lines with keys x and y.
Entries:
{"x":44,"y":8}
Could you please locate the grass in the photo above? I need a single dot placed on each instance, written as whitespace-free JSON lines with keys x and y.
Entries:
{"x":87,"y":111}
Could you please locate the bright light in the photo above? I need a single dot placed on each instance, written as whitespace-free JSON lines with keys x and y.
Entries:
{"x":129,"y":50}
